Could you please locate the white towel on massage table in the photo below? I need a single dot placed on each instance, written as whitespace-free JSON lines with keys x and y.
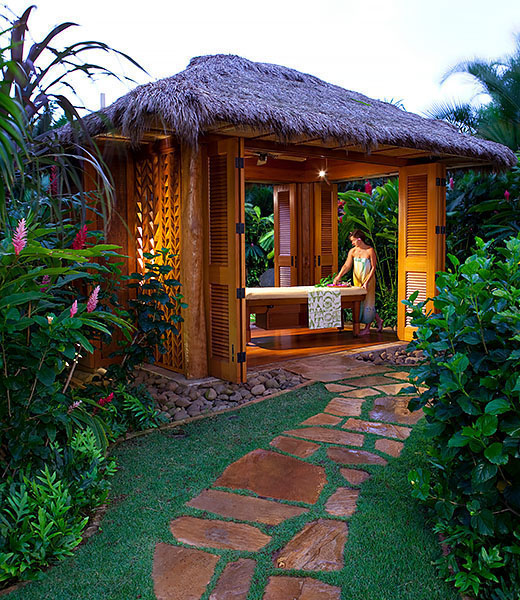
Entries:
{"x":324,"y":308}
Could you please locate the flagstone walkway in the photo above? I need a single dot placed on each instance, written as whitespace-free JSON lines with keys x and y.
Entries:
{"x":268,"y":486}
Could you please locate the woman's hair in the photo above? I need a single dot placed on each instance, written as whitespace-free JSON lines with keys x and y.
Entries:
{"x":357,"y":233}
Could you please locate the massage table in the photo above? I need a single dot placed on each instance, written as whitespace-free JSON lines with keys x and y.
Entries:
{"x":286,"y":307}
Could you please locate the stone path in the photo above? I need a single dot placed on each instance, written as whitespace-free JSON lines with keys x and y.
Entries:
{"x":268,"y":486}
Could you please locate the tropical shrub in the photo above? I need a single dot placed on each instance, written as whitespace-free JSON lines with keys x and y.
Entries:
{"x":52,"y":306}
{"x":155,"y":312}
{"x":259,"y":239}
{"x":44,"y":327}
{"x":128,"y":407}
{"x":42,"y":514}
{"x":375,"y":213}
{"x":471,"y":375}
{"x":486,"y":205}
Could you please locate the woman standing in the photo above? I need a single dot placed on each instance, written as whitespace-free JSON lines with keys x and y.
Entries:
{"x":362,"y":258}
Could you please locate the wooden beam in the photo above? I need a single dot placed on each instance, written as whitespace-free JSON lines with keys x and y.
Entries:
{"x":341,"y":171}
{"x":313,"y":151}
{"x":275,"y":171}
{"x":192,"y":266}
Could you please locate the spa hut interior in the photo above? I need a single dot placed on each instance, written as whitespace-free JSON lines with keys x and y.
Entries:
{"x":182,"y":149}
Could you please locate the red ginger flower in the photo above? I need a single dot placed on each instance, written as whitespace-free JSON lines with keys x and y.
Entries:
{"x":53,"y":180}
{"x":45,"y":283}
{"x":93,"y":300}
{"x":74,"y":308}
{"x":368,"y":187}
{"x":506,"y":195}
{"x":20,"y":237}
{"x":81,"y":239}
{"x":107,"y":400}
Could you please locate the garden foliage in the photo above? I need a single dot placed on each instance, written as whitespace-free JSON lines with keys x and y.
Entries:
{"x":471,"y":372}
{"x":53,"y":438}
{"x":259,"y":231}
{"x":486,"y":205}
{"x":375,"y":213}
{"x":155,"y":310}
{"x":55,"y":280}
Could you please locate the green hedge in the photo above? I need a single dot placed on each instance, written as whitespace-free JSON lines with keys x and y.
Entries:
{"x":472,"y":405}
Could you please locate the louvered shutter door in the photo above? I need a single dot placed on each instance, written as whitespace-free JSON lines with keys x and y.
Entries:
{"x":285,"y":235}
{"x":422,"y":213}
{"x":225,"y":257}
{"x":325,"y":230}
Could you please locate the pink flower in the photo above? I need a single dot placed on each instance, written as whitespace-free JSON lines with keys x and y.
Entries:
{"x":74,"y":405}
{"x":107,"y":400}
{"x":368,"y":187}
{"x":93,"y":300}
{"x":74,"y":308}
{"x":506,"y":195}
{"x":20,"y":237}
{"x":81,"y":239}
{"x":452,"y":183}
{"x":341,"y":219}
{"x":45,"y":283}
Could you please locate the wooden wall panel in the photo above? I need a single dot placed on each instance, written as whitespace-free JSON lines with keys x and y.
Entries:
{"x":305,"y":250}
{"x":325,"y":230}
{"x":285,"y":235}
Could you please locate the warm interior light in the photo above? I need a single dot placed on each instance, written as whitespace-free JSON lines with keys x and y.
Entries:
{"x":322,"y":173}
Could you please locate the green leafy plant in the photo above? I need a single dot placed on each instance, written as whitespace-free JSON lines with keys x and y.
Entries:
{"x":33,"y":92}
{"x":44,"y":327}
{"x":375,"y":214}
{"x":42,"y":515}
{"x":486,"y":205}
{"x":259,"y":242}
{"x":471,"y":373}
{"x":155,"y":311}
{"x":127,"y":408}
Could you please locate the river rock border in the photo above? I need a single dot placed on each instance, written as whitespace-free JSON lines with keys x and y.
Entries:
{"x":395,"y":355}
{"x":181,"y":400}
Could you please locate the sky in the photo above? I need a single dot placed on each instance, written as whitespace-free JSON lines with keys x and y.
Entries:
{"x":386,"y":49}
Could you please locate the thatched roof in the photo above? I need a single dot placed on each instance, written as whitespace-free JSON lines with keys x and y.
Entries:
{"x":290,"y":104}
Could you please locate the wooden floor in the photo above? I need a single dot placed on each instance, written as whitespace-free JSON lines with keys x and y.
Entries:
{"x":286,"y":344}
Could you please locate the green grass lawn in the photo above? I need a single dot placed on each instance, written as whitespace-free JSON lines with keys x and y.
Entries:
{"x":388,"y":555}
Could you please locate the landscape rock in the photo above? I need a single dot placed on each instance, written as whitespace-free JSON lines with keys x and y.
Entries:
{"x":179,"y":401}
{"x":180,"y":414}
{"x":211,"y":394}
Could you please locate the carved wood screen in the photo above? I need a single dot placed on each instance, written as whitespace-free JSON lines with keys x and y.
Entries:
{"x":157,"y":225}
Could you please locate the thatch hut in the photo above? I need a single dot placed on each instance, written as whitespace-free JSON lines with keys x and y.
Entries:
{"x":181,"y":150}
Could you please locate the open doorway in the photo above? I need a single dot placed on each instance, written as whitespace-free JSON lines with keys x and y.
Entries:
{"x":294,"y":246}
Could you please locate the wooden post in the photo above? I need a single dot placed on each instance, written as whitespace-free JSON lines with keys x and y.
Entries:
{"x":192,"y":264}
